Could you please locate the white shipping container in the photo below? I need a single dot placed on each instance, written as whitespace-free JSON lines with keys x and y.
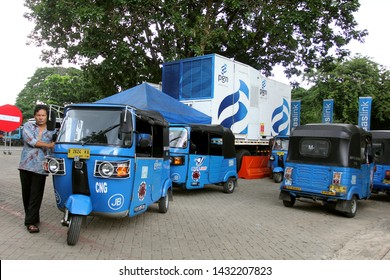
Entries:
{"x":233,"y":94}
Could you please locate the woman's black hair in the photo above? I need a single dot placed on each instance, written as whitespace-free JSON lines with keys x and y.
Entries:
{"x":41,"y":107}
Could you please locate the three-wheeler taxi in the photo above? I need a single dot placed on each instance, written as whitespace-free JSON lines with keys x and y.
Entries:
{"x":328,"y":163}
{"x":109,"y":160}
{"x":202,"y":155}
{"x":381,"y":145}
{"x":278,"y":157}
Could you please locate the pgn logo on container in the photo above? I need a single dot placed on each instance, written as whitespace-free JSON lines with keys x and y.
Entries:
{"x":221,"y":77}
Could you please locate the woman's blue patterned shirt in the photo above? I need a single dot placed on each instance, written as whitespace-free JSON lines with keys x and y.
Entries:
{"x":32,"y":158}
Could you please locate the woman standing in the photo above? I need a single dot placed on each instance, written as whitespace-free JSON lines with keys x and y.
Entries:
{"x":38,"y":141}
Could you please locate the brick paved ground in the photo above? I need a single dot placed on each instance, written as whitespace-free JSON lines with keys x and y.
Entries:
{"x":204,"y":224}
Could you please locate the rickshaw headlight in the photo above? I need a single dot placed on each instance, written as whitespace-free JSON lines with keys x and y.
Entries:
{"x":177,"y":160}
{"x":272,"y":157}
{"x":112,"y":169}
{"x":55,"y":166}
{"x":106,"y":169}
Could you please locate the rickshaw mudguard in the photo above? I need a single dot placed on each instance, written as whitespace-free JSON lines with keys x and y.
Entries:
{"x":285,"y":195}
{"x":277,"y":170}
{"x":343,"y":205}
{"x":79,"y":204}
{"x":167,"y":188}
{"x":230,"y":174}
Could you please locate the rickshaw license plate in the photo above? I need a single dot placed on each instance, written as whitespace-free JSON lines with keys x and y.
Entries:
{"x":78,"y":152}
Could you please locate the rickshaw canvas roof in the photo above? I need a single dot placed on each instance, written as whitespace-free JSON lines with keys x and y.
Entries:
{"x":327,"y":130}
{"x":380,"y":134}
{"x":151,"y":115}
{"x":226,"y":134}
{"x":146,"y":97}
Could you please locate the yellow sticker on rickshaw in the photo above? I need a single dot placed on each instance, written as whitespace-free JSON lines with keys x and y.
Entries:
{"x":328,"y":193}
{"x":293,"y":188}
{"x":78,"y":152}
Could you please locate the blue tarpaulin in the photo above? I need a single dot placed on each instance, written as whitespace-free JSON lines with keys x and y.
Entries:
{"x":147,"y":97}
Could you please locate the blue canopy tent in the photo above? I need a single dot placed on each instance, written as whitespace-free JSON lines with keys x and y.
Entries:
{"x":146,"y":97}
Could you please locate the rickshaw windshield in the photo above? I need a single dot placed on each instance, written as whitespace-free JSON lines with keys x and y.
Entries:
{"x":281,"y":144}
{"x":91,"y":126}
{"x":178,"y":137}
{"x":327,"y":151}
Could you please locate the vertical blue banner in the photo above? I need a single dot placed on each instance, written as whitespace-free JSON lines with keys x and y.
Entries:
{"x":295,"y":113}
{"x":327,"y":111}
{"x":364,"y":119}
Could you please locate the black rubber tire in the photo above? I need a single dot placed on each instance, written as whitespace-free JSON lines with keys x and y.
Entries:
{"x":163,"y":204}
{"x":289,"y":203}
{"x":74,"y":229}
{"x":352,"y":209}
{"x":278,"y":177}
{"x":239,"y":155}
{"x":229,"y":185}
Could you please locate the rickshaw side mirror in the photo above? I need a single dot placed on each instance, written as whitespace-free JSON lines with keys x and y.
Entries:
{"x":51,"y":120}
{"x":125,"y":122}
{"x":54,"y":137}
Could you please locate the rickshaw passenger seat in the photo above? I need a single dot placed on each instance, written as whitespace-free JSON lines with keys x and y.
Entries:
{"x":192,"y":148}
{"x":144,"y":146}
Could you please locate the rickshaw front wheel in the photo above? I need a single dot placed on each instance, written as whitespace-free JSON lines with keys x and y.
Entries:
{"x":278,"y":177}
{"x":352,"y":207}
{"x":229,"y":185}
{"x":75,"y":222}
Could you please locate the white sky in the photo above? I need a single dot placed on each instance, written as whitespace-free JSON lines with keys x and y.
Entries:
{"x":19,"y":61}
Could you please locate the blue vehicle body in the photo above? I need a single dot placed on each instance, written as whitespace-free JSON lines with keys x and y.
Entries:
{"x":278,"y":157}
{"x":202,"y":155}
{"x":381,"y":145}
{"x":110,"y":160}
{"x":328,"y":163}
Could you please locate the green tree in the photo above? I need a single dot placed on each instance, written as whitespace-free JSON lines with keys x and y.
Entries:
{"x":345,"y":82}
{"x":122,"y":43}
{"x":56,"y":86}
{"x":311,"y":108}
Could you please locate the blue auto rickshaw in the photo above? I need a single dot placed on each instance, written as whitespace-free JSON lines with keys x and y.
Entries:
{"x":381,"y":146}
{"x":328,"y":163}
{"x":202,"y":155}
{"x":109,"y":160}
{"x":278,"y":157}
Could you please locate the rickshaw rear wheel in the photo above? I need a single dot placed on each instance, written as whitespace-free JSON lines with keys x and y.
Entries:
{"x":229,"y":185}
{"x":75,"y":222}
{"x":239,"y":155}
{"x":289,"y":203}
{"x":163,"y":204}
{"x":352,"y":207}
{"x":278,"y":177}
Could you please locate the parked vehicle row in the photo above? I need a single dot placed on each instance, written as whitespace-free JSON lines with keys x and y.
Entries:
{"x":130,"y":159}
